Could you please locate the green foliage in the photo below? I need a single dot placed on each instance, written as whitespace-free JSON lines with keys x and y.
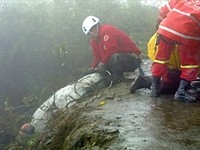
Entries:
{"x":9,"y":124}
{"x":23,"y":142}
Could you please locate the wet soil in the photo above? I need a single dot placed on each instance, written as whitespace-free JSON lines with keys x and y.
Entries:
{"x":114,"y":119}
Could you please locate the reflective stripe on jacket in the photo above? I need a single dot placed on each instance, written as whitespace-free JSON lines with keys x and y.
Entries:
{"x":189,"y":66}
{"x":173,"y":63}
{"x":180,"y":21}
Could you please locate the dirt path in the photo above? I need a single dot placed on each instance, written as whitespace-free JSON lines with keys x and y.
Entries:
{"x":145,"y":123}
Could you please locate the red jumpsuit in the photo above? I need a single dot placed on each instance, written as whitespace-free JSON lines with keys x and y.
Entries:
{"x":110,"y":41}
{"x":179,"y":24}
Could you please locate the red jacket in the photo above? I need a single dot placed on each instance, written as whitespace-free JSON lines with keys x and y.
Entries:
{"x":180,"y":21}
{"x":111,"y":40}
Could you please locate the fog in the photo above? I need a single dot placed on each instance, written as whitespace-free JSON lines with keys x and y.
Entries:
{"x":43,"y":47}
{"x":157,"y":3}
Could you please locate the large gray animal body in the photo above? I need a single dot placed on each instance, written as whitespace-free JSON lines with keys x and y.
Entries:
{"x":66,"y":97}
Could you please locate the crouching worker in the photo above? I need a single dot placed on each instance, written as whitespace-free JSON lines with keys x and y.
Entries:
{"x":178,"y":24}
{"x":170,"y":82}
{"x":113,"y":50}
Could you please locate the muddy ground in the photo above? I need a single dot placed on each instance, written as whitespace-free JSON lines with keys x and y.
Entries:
{"x":114,"y":119}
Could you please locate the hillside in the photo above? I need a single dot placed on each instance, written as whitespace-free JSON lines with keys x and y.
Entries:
{"x":114,"y":119}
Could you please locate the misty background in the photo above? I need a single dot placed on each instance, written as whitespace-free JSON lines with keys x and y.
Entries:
{"x":43,"y":48}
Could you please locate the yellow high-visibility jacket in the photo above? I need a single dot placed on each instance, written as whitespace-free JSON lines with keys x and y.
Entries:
{"x":152,"y":48}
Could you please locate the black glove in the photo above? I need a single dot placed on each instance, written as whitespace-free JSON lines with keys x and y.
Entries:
{"x":89,"y":71}
{"x":101,"y":67}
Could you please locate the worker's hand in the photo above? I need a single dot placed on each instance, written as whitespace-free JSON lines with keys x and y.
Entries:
{"x":101,"y":67}
{"x":158,"y":23}
{"x":89,"y":71}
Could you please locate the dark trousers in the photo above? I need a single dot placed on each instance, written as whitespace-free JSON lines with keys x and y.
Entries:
{"x":122,"y":62}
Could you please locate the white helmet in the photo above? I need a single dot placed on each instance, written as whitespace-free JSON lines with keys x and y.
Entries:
{"x":88,"y":23}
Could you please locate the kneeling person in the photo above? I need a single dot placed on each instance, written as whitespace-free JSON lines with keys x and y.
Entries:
{"x":112,"y":48}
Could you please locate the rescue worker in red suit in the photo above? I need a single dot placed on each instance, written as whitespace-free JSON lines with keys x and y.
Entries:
{"x":112,"y":48}
{"x":178,"y":23}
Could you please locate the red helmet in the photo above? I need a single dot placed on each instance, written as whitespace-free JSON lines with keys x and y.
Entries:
{"x":26,"y":129}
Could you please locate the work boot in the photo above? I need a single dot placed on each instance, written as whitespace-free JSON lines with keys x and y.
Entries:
{"x":140,"y":82}
{"x":155,"y":88}
{"x":182,"y":94}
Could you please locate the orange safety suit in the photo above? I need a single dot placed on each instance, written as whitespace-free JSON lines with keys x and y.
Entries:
{"x":179,"y":24}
